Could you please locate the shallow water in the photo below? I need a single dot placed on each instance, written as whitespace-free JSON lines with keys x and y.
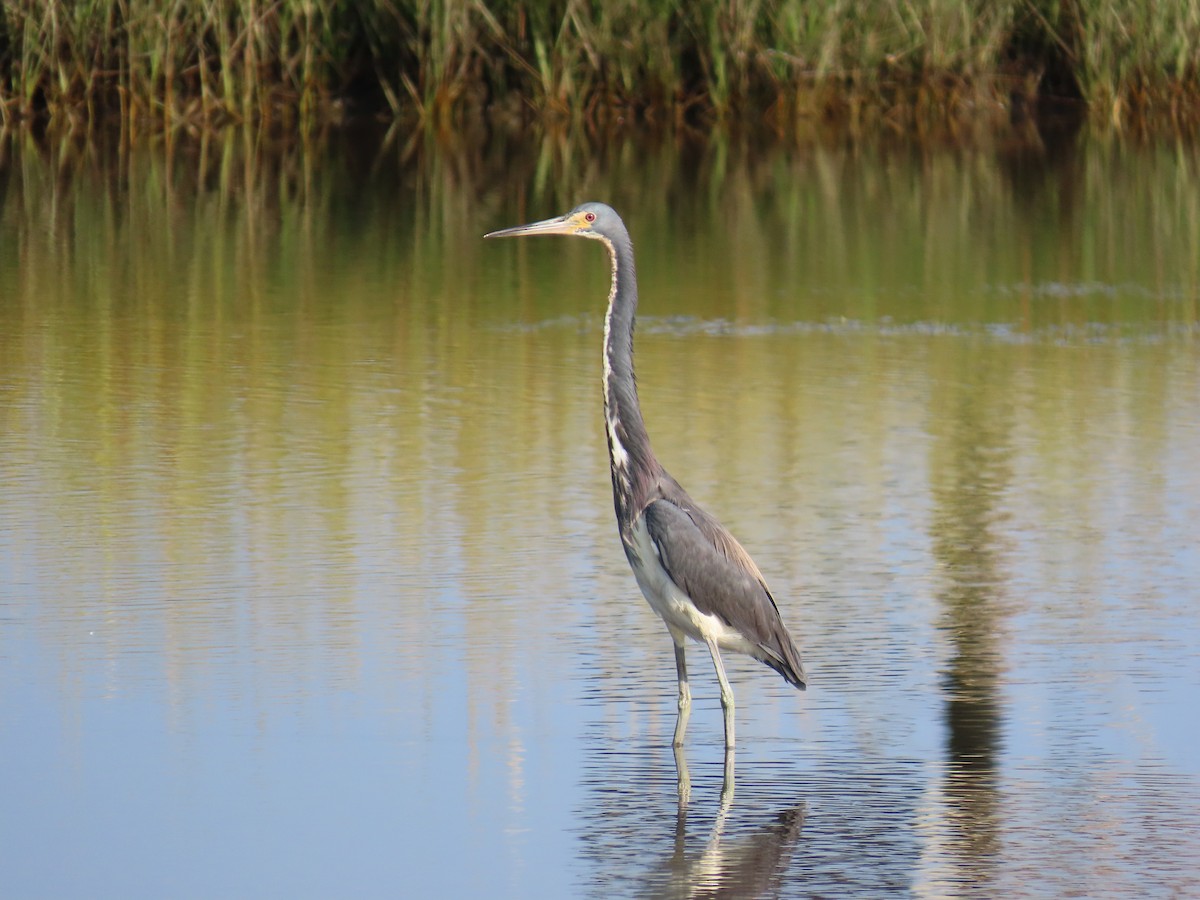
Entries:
{"x":309,"y":583}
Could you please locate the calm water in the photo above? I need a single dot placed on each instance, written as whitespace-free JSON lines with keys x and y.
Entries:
{"x":309,"y":584}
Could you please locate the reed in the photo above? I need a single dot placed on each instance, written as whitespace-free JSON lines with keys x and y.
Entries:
{"x":1136,"y":57}
{"x":163,"y":62}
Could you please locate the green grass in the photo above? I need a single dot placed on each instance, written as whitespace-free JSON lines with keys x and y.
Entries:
{"x":160,"y":62}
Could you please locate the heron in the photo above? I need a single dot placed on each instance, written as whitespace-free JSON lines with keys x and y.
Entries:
{"x":690,"y":568}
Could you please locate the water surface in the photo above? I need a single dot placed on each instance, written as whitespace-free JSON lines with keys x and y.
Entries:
{"x":309,"y":583}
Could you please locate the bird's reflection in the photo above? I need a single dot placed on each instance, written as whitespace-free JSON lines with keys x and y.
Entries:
{"x":749,"y":863}
{"x":714,"y":847}
{"x":684,"y":780}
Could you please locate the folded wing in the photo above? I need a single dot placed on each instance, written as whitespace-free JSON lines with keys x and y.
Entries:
{"x":712,"y":568}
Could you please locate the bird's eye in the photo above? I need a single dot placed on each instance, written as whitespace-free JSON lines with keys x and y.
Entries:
{"x":589,"y":217}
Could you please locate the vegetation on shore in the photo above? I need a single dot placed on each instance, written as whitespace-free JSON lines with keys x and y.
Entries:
{"x":161,"y":62}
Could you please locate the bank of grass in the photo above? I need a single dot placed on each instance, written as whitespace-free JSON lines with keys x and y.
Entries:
{"x":161,"y":62}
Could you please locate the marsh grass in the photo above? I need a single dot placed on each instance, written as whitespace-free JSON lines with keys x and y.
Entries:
{"x":162,"y":62}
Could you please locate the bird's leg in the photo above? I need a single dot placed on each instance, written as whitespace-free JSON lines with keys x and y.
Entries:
{"x":685,"y":694}
{"x":726,"y":692}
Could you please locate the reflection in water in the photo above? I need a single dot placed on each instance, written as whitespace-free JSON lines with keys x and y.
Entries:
{"x":711,"y":852}
{"x":749,"y":864}
{"x":306,"y":555}
{"x":799,"y":824}
{"x":970,"y":463}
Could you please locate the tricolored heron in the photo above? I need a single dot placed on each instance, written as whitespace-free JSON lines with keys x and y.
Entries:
{"x":693,"y":572}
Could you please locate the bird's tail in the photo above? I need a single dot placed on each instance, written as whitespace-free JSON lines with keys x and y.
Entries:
{"x":784,"y":658}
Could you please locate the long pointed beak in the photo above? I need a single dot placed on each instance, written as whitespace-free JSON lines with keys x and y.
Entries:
{"x":557,"y":225}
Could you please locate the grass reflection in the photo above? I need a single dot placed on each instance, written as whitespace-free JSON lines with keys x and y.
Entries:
{"x":970,"y":474}
{"x":227,"y":311}
{"x":281,"y":434}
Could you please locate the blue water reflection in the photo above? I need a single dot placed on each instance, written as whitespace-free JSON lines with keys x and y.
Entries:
{"x":309,"y":584}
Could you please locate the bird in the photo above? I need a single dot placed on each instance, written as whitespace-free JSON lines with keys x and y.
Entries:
{"x":690,"y":568}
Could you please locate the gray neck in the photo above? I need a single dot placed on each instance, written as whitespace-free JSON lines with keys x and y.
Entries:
{"x":634,"y":466}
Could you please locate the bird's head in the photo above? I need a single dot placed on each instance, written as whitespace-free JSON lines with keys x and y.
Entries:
{"x":591,"y":220}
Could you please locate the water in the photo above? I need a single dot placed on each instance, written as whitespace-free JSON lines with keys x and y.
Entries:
{"x":309,"y":584}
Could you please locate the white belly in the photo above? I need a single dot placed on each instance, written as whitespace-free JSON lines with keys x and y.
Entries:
{"x":673,"y":605}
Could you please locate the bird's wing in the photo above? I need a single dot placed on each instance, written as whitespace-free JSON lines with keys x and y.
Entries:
{"x":713,"y":569}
